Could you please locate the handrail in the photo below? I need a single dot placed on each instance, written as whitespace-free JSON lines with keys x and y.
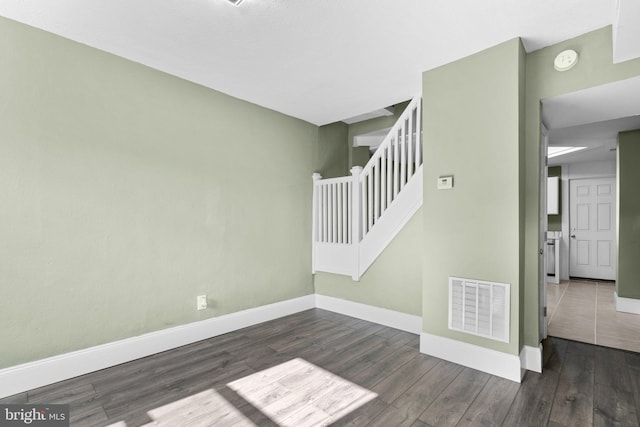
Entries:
{"x":391,"y":166}
{"x":336,"y":180}
{"x":415,"y":103}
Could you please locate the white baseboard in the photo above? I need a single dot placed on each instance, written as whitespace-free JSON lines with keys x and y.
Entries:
{"x":17,"y":379}
{"x":27,"y":376}
{"x":382,"y":316}
{"x":483,"y":359}
{"x":627,"y":305}
{"x":531,"y":358}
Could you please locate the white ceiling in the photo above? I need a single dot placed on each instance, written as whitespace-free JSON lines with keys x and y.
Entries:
{"x":592,"y":118}
{"x":318,"y":60}
{"x":596,"y":104}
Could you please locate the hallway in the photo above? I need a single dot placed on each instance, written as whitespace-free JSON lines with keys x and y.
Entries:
{"x":584,"y":310}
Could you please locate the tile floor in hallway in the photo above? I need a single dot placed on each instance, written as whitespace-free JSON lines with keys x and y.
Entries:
{"x":583,"y":310}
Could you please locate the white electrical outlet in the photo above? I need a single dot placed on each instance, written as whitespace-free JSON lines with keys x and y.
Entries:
{"x":201,"y":302}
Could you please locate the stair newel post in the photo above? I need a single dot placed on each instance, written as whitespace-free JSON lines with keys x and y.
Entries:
{"x":355,"y":220}
{"x":315,"y":205}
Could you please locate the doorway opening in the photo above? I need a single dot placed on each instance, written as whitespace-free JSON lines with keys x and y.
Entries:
{"x":577,"y":283}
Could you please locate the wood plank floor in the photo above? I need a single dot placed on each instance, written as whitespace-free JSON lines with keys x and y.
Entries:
{"x":319,"y":368}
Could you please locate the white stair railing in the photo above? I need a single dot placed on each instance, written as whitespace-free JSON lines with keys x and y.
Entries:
{"x":391,"y":166}
{"x":346,"y":209}
{"x":334,"y":212}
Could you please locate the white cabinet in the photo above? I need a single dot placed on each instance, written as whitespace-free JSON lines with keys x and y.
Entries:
{"x":553,"y":195}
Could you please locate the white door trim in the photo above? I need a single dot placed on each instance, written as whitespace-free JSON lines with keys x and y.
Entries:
{"x":542,"y":233}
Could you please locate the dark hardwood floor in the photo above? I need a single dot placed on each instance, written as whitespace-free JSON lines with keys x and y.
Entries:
{"x":582,"y":384}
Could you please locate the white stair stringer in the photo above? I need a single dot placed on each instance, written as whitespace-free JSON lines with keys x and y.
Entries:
{"x":337,"y":259}
{"x":407,"y":203}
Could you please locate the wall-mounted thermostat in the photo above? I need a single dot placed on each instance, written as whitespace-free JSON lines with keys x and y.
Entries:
{"x":445,"y":182}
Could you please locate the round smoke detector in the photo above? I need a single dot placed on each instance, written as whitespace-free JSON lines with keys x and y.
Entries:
{"x":566,"y":60}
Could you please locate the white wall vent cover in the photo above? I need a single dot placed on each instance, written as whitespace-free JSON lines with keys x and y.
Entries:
{"x":479,"y":308}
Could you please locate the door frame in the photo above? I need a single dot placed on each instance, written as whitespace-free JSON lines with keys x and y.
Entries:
{"x":569,"y":228}
{"x":542,"y":233}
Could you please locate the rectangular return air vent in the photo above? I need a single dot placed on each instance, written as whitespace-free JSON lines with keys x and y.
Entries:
{"x":479,"y":308}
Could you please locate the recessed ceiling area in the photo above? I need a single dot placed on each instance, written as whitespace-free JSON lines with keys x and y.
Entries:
{"x":320,"y":61}
{"x":592,"y":118}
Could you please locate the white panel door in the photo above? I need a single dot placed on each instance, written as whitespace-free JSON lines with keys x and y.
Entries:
{"x":592,"y":204}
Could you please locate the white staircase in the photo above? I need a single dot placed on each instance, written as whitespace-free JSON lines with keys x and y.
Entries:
{"x":355,"y":217}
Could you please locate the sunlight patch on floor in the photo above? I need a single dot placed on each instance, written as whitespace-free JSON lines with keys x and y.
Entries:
{"x":295,"y":393}
{"x":298,"y":393}
{"x":200,"y":409}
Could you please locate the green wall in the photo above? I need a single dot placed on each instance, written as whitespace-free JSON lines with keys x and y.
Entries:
{"x":554,"y":222}
{"x":126,"y":192}
{"x":336,"y":155}
{"x":332,"y":152}
{"x":628,"y":224}
{"x":594,"y":68}
{"x":394,"y":280}
{"x":472,"y":113}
